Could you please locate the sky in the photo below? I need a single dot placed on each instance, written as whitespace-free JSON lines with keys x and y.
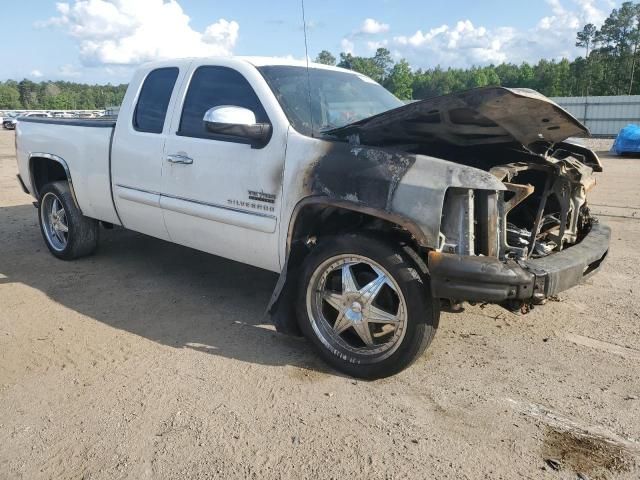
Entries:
{"x":102,"y":41}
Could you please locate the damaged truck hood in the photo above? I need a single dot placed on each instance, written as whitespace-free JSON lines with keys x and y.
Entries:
{"x":488,"y":115}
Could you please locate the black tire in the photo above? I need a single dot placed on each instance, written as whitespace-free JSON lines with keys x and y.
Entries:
{"x":422,"y":311}
{"x":82,"y":235}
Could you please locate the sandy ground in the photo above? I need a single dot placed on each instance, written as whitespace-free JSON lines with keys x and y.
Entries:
{"x":151,"y":360}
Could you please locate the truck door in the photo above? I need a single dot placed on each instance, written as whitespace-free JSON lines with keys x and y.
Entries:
{"x":137,"y":150}
{"x":220,"y":194}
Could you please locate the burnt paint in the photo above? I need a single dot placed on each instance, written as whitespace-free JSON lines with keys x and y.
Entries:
{"x":361,"y":174}
{"x":353,"y":177}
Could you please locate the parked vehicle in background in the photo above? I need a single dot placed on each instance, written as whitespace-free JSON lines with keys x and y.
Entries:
{"x":9,"y":122}
{"x":373,"y":212}
{"x":627,"y":141}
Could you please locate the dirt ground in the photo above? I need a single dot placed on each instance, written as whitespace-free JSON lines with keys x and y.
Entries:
{"x":150,"y":360}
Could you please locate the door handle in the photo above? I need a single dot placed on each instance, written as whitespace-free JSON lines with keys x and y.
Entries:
{"x":178,"y":158}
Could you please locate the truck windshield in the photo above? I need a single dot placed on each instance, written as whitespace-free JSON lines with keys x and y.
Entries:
{"x":337,"y":98}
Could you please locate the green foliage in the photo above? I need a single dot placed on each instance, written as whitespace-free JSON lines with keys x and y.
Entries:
{"x":550,"y":77}
{"x":326,"y":58}
{"x":9,"y":96}
{"x":400,"y":81}
{"x":377,"y":67}
{"x":58,"y":95}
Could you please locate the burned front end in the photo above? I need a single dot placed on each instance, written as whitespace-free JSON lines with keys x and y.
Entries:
{"x":518,"y":237}
{"x":520,"y":245}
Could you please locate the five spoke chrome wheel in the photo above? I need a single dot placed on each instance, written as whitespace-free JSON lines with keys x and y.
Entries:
{"x":54,"y":221}
{"x":355,"y":306}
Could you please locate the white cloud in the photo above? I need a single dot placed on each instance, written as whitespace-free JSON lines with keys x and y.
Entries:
{"x":461,"y":44}
{"x":588,"y":12}
{"x":347,"y":46}
{"x":129,"y":32}
{"x":36,"y":73}
{"x":464,"y":44}
{"x":371,"y":27}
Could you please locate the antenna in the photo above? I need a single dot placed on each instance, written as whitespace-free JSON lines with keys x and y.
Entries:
{"x":306,"y":54}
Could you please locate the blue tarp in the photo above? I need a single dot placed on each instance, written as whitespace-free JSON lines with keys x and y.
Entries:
{"x":628,"y":140}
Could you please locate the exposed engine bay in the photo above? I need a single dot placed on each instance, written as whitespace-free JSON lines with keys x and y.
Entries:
{"x":547,"y":209}
{"x":543,"y":209}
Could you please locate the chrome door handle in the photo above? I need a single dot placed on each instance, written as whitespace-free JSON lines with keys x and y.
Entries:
{"x":181,"y":159}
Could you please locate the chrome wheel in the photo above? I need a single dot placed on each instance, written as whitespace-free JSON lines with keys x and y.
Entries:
{"x":54,"y":222}
{"x":356,"y":307}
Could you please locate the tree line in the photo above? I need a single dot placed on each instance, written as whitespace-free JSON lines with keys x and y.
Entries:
{"x":28,"y":95}
{"x":609,"y":67}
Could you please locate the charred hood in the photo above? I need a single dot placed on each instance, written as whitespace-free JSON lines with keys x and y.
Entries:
{"x":482,"y":116}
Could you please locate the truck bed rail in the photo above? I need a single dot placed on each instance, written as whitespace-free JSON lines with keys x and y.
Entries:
{"x":77,"y":122}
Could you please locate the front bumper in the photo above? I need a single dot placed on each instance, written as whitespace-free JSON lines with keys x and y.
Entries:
{"x":488,"y":279}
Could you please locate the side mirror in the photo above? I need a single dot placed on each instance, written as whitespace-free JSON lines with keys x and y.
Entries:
{"x":237,"y":123}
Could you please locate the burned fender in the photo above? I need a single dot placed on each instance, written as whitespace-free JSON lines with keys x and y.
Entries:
{"x":361,"y":175}
{"x":393,"y":181}
{"x":356,"y":178}
{"x":404,"y":188}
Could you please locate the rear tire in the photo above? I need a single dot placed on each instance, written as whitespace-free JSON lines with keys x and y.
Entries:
{"x":364,"y":305}
{"x":67,"y":233}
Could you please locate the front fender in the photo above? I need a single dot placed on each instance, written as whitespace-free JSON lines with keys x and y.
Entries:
{"x":421,"y":193}
{"x":396,"y":182}
{"x":394,"y":185}
{"x":390,"y":216}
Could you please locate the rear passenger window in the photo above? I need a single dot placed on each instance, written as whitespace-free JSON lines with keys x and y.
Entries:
{"x":153,"y":102}
{"x":212,"y":87}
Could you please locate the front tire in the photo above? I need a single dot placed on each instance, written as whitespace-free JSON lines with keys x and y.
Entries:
{"x":365,"y":307}
{"x":67,"y":233}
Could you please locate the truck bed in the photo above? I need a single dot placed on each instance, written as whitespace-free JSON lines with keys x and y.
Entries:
{"x":83,"y":146}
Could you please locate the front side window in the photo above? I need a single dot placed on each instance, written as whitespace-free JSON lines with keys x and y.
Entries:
{"x":153,"y":102}
{"x":336,"y":98}
{"x":213,"y":87}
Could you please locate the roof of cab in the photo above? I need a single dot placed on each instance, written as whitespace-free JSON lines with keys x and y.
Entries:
{"x":289,"y":62}
{"x":255,"y":61}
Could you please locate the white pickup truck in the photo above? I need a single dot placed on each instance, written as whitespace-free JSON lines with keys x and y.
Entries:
{"x":375,"y":213}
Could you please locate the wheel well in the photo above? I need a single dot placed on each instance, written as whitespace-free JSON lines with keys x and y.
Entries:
{"x":45,"y":170}
{"x":317,"y":220}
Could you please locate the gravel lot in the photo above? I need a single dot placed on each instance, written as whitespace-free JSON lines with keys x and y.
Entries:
{"x":151,"y":360}
{"x":602,"y":145}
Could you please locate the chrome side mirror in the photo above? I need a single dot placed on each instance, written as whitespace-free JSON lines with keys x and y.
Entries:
{"x":237,"y":124}
{"x":230,"y":114}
